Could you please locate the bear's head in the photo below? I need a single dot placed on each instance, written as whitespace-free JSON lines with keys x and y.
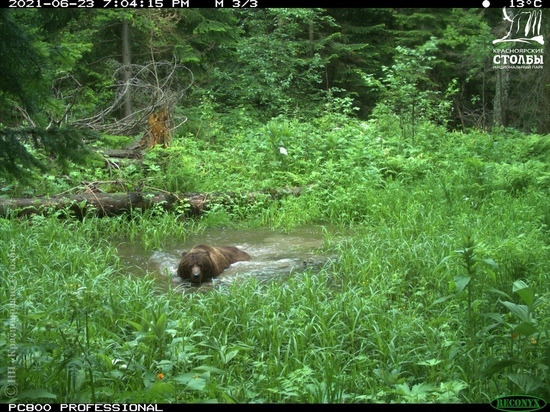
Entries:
{"x":196,"y":266}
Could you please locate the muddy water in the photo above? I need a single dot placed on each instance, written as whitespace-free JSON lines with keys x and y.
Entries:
{"x":274,"y":254}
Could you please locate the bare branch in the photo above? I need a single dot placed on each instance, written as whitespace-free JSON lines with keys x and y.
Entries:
{"x":153,"y":86}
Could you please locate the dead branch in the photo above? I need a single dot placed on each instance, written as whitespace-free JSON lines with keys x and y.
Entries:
{"x":153,"y":86}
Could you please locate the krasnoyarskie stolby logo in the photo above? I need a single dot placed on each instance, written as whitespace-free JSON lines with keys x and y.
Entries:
{"x":522,"y":26}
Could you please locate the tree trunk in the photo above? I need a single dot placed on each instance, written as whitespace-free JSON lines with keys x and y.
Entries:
{"x":311,"y":39}
{"x":544,"y":107}
{"x":501,"y":97}
{"x":127,"y":72}
{"x":113,"y":204}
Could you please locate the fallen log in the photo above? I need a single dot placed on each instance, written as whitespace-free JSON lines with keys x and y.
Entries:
{"x":123,"y":153}
{"x":113,"y":204}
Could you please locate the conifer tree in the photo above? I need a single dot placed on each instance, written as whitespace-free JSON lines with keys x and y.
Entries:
{"x":24,"y":92}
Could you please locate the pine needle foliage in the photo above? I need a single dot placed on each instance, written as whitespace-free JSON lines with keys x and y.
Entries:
{"x":18,"y":154}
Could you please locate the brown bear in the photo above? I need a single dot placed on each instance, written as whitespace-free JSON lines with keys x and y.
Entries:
{"x":205,"y":262}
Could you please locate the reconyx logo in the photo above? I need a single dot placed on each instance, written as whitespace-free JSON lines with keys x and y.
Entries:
{"x":522,"y":403}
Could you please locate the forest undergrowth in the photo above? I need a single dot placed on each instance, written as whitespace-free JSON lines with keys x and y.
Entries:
{"x":440,"y":293}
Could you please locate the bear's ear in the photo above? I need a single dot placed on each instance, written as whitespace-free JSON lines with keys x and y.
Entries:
{"x":185,"y":252}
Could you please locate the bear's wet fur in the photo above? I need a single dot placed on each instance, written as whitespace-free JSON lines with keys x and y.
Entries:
{"x":204,"y":262}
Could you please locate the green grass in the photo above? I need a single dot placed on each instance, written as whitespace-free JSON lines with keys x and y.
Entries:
{"x":438,"y":294}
